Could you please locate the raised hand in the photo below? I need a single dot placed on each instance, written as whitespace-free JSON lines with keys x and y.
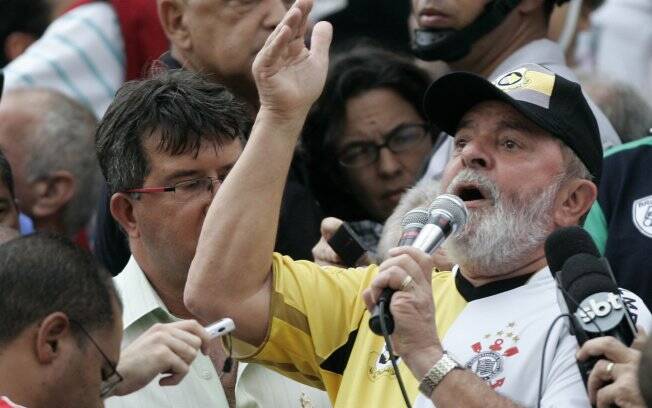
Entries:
{"x":289,"y":76}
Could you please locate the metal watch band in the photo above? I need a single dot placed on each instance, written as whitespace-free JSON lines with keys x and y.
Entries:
{"x":433,"y":377}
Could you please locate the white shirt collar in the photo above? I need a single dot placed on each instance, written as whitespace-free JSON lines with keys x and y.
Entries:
{"x":138,"y":296}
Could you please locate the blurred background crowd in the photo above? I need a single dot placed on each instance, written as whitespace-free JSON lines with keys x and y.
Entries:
{"x":120,"y":119}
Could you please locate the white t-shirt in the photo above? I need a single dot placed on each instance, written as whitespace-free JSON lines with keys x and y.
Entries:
{"x":501,"y":339}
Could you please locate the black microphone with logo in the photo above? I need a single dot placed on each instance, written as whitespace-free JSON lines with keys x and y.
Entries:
{"x":446,"y":215}
{"x":588,"y":290}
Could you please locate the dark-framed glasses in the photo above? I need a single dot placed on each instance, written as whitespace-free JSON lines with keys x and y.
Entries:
{"x":187,"y":190}
{"x":399,"y":140}
{"x":109,"y":371}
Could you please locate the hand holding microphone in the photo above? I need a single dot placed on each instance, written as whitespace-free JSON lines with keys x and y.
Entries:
{"x":446,"y":215}
{"x":600,"y":320}
{"x":614,"y":378}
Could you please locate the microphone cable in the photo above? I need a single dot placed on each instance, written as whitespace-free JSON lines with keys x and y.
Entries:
{"x":543,"y":355}
{"x":545,"y":344}
{"x":382,"y":305}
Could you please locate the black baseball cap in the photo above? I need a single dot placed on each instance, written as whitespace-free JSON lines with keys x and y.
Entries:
{"x":554,"y":103}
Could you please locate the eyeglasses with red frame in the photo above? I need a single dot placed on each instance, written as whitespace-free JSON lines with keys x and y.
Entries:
{"x":185,"y":191}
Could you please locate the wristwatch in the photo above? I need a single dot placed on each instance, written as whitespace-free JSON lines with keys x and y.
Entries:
{"x":433,"y":377}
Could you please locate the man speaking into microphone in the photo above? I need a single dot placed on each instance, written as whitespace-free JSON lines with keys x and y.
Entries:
{"x":527,"y":152}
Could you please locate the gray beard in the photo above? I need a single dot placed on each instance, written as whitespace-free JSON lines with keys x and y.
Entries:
{"x":500,"y":238}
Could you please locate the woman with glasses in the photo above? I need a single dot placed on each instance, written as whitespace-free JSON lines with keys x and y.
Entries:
{"x":367,"y":138}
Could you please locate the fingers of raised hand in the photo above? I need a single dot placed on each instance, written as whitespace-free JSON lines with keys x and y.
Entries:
{"x":276,"y":44}
{"x":320,"y":41}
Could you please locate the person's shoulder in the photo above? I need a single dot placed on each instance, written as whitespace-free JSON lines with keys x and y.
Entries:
{"x":89,"y":9}
{"x":632,"y":147}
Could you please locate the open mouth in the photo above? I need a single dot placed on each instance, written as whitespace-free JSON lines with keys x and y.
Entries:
{"x":473,"y":194}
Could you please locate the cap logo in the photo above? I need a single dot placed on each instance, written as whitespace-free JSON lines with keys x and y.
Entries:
{"x":530,"y":83}
{"x":510,"y":79}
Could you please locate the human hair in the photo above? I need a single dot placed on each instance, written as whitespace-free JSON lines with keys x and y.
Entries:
{"x":29,"y":17}
{"x":352,"y":73}
{"x":426,"y":190}
{"x":574,"y":168}
{"x":43,"y":274}
{"x":622,"y":104}
{"x":181,"y":109}
{"x":6,"y":174}
{"x":62,"y":140}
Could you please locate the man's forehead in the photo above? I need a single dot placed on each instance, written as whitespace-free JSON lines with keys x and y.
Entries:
{"x":188,"y":161}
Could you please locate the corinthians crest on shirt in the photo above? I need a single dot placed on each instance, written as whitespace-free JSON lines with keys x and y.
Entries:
{"x":380,"y":364}
{"x":491,"y":352}
{"x":642,"y":215}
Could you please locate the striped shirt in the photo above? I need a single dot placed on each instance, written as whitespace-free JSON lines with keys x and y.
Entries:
{"x":81,"y":55}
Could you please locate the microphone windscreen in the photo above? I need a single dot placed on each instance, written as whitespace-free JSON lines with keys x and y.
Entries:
{"x":418,"y":215}
{"x":453,"y":205}
{"x":566,"y":242}
{"x":583,"y":275}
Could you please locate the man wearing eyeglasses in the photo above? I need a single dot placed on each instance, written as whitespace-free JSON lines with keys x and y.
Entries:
{"x":165,"y":145}
{"x":61,"y":327}
{"x":367,"y":141}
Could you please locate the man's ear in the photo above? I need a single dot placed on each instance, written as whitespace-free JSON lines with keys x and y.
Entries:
{"x":53,"y":193}
{"x":122,"y":210}
{"x":171,"y":15}
{"x":16,"y":43}
{"x":573,"y":201}
{"x":52,"y":330}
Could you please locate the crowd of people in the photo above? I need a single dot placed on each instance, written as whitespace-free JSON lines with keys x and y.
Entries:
{"x":165,"y":164}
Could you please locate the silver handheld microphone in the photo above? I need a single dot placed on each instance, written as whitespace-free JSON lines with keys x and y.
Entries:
{"x":447,"y":215}
{"x":411,"y":224}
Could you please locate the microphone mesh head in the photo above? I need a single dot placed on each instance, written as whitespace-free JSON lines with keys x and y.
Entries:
{"x":566,"y":242}
{"x":583,"y":275}
{"x":454,"y":206}
{"x":418,"y":215}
